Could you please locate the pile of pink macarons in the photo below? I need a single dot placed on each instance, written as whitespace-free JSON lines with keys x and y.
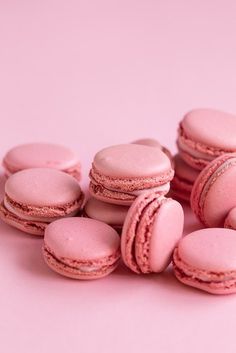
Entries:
{"x":132,"y":213}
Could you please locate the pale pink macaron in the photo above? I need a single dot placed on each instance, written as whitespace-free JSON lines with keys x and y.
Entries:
{"x":120,"y":173}
{"x":114,"y":215}
{"x":214,"y":193}
{"x":184,"y":178}
{"x":205,"y":134}
{"x":81,"y":248}
{"x":206,"y":259}
{"x":42,"y":155}
{"x":230,"y":221}
{"x":152,"y":229}
{"x":35,"y":197}
{"x":154,"y":143}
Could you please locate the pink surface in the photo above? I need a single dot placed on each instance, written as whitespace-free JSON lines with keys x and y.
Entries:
{"x":89,"y":74}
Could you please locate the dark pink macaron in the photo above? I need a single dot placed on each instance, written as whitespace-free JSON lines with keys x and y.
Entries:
{"x":152,"y":228}
{"x":120,"y":173}
{"x":81,"y":248}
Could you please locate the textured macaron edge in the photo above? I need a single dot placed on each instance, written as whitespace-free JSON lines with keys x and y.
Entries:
{"x":199,"y":191}
{"x":30,"y":227}
{"x":74,"y":268}
{"x":211,"y":151}
{"x":45,"y":210}
{"x":212,"y":282}
{"x":129,"y":233}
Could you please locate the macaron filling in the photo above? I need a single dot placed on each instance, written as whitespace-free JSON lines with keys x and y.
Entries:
{"x":127,"y":189}
{"x":42,"y":212}
{"x":80,"y":268}
{"x":198,"y":149}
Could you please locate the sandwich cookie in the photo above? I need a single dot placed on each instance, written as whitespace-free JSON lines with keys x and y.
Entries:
{"x":152,"y":229}
{"x":81,"y":248}
{"x":230,"y":221}
{"x":35,"y":197}
{"x":120,"y":173}
{"x":214,"y":193}
{"x":42,"y":155}
{"x":205,"y":134}
{"x":206,"y":259}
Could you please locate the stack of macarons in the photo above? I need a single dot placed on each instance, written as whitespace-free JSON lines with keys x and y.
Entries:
{"x":128,"y":214}
{"x":120,"y":173}
{"x":203,"y":135}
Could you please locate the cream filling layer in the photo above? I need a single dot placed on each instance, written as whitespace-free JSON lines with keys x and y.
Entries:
{"x":34,"y":218}
{"x":193,"y":152}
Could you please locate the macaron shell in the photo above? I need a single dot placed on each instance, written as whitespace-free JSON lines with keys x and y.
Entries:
{"x":213,"y":195}
{"x":212,"y":249}
{"x":148,"y":142}
{"x":81,"y":238}
{"x":42,"y":187}
{"x":73,"y":273}
{"x":212,"y":128}
{"x":40,"y":155}
{"x":131,"y":160}
{"x":167,"y":230}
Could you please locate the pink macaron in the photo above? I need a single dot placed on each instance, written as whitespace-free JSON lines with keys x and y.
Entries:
{"x":230,"y":220}
{"x":205,"y":134}
{"x":214,"y":194}
{"x":81,"y":248}
{"x":153,"y":226}
{"x":41,"y":155}
{"x":154,"y":143}
{"x":120,"y":173}
{"x":206,"y":259}
{"x":114,"y":215}
{"x":35,"y":197}
{"x":185,"y":176}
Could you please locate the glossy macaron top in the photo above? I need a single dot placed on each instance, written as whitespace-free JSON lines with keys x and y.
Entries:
{"x":42,"y":187}
{"x":212,"y":249}
{"x":105,"y":212}
{"x":39,"y":155}
{"x":81,"y":239}
{"x":211,"y":128}
{"x":131,"y":160}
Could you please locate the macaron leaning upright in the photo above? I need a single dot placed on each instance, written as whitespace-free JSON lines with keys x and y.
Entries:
{"x":152,"y":229}
{"x":120,"y":173}
{"x":81,"y":248}
{"x":41,"y":155}
{"x":205,"y":134}
{"x":206,"y":259}
{"x":214,"y":193}
{"x":35,"y":197}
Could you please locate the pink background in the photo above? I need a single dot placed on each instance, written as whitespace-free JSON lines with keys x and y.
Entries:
{"x":94,"y":73}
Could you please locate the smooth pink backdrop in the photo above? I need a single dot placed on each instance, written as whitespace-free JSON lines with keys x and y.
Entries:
{"x":90,"y":74}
